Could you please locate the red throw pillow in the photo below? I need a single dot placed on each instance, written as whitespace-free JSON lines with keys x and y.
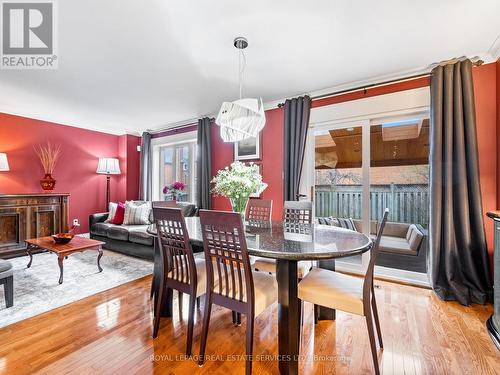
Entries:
{"x":119,"y":214}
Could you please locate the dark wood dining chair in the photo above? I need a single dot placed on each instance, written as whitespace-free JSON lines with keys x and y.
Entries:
{"x":185,"y":209}
{"x":238,"y":288}
{"x":348,"y":293}
{"x":297,"y":218}
{"x":180,"y":269}
{"x":159,"y":204}
{"x":259,"y":210}
{"x":297,"y":212}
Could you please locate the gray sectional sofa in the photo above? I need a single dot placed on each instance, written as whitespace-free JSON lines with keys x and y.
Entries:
{"x":132,"y":240}
{"x":403,"y":246}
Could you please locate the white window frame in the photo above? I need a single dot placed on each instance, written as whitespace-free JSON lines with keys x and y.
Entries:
{"x":172,"y":140}
{"x":366,"y":112}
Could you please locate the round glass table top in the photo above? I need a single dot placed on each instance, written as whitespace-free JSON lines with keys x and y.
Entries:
{"x":280,"y":240}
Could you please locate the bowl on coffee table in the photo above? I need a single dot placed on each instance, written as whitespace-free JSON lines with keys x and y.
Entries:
{"x":62,"y":238}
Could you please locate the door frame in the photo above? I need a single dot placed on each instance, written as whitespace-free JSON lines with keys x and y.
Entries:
{"x":365,"y":112}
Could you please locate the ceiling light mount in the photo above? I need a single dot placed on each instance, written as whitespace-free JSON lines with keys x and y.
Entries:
{"x":243,"y":118}
{"x":240,"y":42}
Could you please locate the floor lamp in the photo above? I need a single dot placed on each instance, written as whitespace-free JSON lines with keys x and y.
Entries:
{"x":108,"y":166}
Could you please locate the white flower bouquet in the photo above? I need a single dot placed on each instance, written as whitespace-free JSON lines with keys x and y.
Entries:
{"x":237,"y":182}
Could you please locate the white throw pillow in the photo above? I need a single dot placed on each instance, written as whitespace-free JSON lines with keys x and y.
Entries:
{"x":112,"y":211}
{"x":136,"y":214}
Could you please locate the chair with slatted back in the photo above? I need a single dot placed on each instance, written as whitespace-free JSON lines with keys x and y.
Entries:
{"x":181,"y":270}
{"x":238,"y":288}
{"x":297,"y":218}
{"x":187,"y":209}
{"x":348,"y":293}
{"x":259,"y":211}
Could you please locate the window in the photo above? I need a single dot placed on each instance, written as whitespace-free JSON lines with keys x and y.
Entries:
{"x":174,"y":159}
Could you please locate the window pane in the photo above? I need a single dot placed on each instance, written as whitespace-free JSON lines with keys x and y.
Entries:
{"x":177,"y":165}
{"x":339,"y":180}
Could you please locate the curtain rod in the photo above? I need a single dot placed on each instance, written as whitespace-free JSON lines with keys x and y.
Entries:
{"x":156,"y":131}
{"x":476,"y":62}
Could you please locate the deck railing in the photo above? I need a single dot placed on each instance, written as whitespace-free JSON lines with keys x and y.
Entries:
{"x":406,"y":203}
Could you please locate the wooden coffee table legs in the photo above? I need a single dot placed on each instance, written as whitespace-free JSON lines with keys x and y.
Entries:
{"x":60,"y":259}
{"x":99,"y":259}
{"x":28,"y":250}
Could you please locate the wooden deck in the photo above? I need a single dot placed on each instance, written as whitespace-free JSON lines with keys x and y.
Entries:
{"x":110,"y":333}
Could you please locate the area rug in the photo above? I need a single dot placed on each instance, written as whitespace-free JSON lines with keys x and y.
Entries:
{"x":36,"y":289}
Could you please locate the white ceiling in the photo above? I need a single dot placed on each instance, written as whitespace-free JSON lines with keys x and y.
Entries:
{"x":128,"y":65}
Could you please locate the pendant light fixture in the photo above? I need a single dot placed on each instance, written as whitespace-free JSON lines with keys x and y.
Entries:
{"x":243,"y":118}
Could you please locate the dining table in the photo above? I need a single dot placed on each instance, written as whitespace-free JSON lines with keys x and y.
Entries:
{"x":287,"y":244}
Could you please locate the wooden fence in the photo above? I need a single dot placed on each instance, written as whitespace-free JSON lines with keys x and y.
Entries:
{"x":406,"y":203}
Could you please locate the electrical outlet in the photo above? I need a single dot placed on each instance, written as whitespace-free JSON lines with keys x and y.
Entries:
{"x":76,"y":223}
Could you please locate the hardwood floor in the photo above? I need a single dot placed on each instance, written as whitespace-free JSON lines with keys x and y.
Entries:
{"x":110,"y":333}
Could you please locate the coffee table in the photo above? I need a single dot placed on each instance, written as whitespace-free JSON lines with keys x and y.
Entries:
{"x":77,"y":244}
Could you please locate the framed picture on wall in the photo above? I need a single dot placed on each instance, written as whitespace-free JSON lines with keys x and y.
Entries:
{"x":255,"y":195}
{"x":247,"y":149}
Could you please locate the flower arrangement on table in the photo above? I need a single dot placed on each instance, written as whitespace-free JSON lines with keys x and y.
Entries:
{"x":237,"y":182}
{"x":174,"y":188}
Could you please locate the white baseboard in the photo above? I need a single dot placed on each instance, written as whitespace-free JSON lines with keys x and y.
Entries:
{"x":389,"y":274}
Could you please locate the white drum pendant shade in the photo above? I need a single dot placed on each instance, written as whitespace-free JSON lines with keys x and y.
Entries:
{"x":241,"y":119}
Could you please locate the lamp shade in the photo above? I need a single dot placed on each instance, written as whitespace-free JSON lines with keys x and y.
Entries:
{"x":108,"y":166}
{"x":4,"y":163}
{"x":241,"y":119}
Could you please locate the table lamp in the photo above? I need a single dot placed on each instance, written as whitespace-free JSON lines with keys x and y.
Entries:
{"x":108,"y":166}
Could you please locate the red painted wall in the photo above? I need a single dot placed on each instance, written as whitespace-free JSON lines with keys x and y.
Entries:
{"x":128,"y":184}
{"x":75,"y":172}
{"x":485,"y":94}
{"x":485,"y":86}
{"x":272,"y":160}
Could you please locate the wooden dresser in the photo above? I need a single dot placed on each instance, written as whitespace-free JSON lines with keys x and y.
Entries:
{"x":25,"y":216}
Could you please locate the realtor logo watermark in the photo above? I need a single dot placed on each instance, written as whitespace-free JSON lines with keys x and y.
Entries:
{"x":29,"y":35}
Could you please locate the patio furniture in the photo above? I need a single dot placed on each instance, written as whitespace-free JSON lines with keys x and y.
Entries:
{"x":348,"y":293}
{"x":7,"y":280}
{"x":403,"y":246}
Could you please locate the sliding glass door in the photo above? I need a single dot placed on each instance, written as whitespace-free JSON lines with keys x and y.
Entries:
{"x":340,"y":184}
{"x":361,"y":168}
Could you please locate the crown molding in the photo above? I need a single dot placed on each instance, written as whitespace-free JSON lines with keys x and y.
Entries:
{"x":494,"y":50}
{"x":491,"y":56}
{"x":486,"y":57}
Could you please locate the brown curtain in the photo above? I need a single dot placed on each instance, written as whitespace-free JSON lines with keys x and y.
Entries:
{"x":296,"y":123}
{"x":458,"y":255}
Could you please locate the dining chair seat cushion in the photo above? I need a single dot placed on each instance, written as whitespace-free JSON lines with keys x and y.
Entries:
{"x":269,"y":265}
{"x":265,"y":290}
{"x":201,"y":274}
{"x":332,"y":289}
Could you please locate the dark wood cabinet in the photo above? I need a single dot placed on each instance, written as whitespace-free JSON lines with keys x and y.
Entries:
{"x":24,"y":216}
